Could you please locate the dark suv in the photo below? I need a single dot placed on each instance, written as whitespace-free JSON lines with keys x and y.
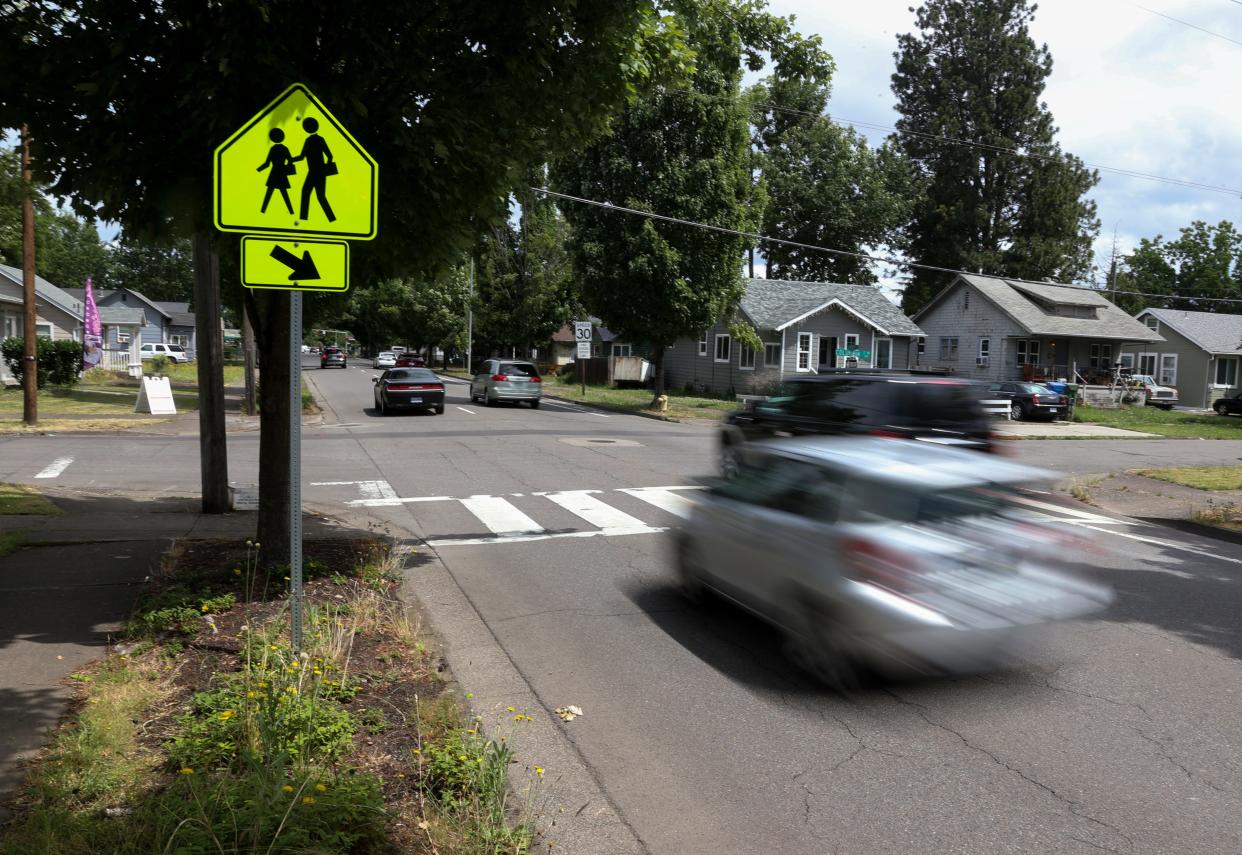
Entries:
{"x":332,"y":356}
{"x":937,"y":409}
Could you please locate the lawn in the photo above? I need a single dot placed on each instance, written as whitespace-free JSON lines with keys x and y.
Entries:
{"x":1170,"y":423}
{"x":1199,"y":477}
{"x":85,"y":400}
{"x":639,"y":400}
{"x":178,"y":373}
{"x":21,"y":499}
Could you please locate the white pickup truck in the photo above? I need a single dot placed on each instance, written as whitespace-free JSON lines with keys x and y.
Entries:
{"x":1157,"y":396}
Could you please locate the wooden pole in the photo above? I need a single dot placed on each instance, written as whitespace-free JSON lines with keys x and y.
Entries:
{"x":30,"y":355}
{"x":247,"y":332}
{"x":213,"y":452}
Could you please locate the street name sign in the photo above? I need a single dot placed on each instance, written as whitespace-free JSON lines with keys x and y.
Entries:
{"x":293,"y":169}
{"x":853,"y":354}
{"x":583,"y":335}
{"x":294,"y":265}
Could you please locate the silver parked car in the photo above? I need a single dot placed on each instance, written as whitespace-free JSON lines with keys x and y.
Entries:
{"x":881,"y":554}
{"x":497,"y":380}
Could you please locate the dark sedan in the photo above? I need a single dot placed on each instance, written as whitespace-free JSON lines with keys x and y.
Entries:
{"x":1029,"y":400}
{"x":409,"y":388}
{"x":332,"y":357}
{"x":410,"y":360}
{"x":1228,"y":406}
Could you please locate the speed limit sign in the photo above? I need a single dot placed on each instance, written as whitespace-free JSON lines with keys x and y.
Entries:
{"x":582,"y":335}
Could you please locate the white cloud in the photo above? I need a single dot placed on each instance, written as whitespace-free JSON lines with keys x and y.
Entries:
{"x":1129,"y":89}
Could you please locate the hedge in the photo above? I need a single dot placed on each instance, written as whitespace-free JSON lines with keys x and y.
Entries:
{"x":60,"y":362}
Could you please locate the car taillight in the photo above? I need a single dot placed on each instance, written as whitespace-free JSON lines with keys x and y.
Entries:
{"x":400,"y":387}
{"x":536,"y":379}
{"x":1035,"y":399}
{"x":887,"y":434}
{"x":436,"y":386}
{"x":500,"y":378}
{"x":880,"y":565}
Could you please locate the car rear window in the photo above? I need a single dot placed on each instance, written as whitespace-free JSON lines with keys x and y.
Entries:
{"x":521,"y":369}
{"x":422,"y":375}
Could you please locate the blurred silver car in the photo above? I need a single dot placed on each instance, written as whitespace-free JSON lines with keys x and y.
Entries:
{"x":497,"y":380}
{"x":881,"y":554}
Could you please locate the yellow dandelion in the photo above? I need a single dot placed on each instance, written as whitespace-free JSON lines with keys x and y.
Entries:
{"x":236,"y":571}
{"x":293,"y":690}
{"x":539,"y":771}
{"x":206,"y":607}
{"x":418,"y":751}
{"x":286,"y":578}
{"x":321,"y":788}
{"x":471,"y":731}
{"x":308,"y":800}
{"x":469,"y":695}
{"x":517,"y":718}
{"x":186,"y":770}
{"x":225,"y":715}
{"x":400,"y":775}
{"x":287,"y":788}
{"x":462,"y":757}
{"x":262,"y":685}
{"x":252,"y":694}
{"x":510,"y":709}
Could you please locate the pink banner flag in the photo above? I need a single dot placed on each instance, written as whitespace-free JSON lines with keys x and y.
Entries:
{"x":92,"y":339}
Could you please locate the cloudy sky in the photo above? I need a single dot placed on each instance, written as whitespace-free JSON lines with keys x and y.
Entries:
{"x":1129,"y":89}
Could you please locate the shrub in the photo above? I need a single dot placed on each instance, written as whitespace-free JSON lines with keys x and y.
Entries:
{"x":59,"y":362}
{"x":158,"y":363}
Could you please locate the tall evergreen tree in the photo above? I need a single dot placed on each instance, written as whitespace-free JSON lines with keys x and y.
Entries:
{"x":823,"y":185}
{"x":684,"y":153}
{"x":968,"y":86}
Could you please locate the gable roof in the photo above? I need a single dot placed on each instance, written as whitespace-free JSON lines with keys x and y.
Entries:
{"x":1215,"y":333}
{"x":130,"y":316}
{"x":1023,"y":302}
{"x":776,"y":304}
{"x":179,"y":312}
{"x":79,"y":294}
{"x":46,"y":291}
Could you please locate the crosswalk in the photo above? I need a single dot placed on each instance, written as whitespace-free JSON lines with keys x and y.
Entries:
{"x":483,"y":519}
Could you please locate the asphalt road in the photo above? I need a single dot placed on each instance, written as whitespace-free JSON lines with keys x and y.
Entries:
{"x":1121,"y":733}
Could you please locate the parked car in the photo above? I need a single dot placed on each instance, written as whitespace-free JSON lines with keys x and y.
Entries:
{"x":410,"y":360}
{"x":1030,"y":400}
{"x":1228,"y":406}
{"x":173,"y":352}
{"x":497,"y":380}
{"x":409,"y":388}
{"x":333,"y":357}
{"x":1164,"y":397}
{"x":384,"y":359}
{"x":874,"y":554}
{"x":907,"y":406}
{"x":397,"y":349}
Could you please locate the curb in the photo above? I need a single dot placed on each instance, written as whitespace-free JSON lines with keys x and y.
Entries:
{"x":612,"y":409}
{"x":1192,"y":527}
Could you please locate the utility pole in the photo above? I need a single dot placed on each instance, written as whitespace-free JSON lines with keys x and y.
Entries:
{"x":30,"y":354}
{"x":470,"y":322}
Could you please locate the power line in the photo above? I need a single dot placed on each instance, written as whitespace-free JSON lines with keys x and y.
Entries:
{"x":1188,"y":24}
{"x":608,"y":206}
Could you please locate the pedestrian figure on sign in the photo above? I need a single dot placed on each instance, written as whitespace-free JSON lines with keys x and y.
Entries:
{"x":319,"y":165}
{"x":280,"y":159}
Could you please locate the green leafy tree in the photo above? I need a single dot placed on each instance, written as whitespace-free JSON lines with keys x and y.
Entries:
{"x":438,"y":307}
{"x":161,"y":269}
{"x":972,"y":73}
{"x":1203,"y":263}
{"x":683,"y":153}
{"x":824,"y":186}
{"x":127,"y":104}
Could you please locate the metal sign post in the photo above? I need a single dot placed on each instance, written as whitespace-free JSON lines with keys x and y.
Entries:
{"x":583,"y":334}
{"x":295,"y":465}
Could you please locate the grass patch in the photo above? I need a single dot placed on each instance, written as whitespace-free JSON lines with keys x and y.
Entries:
{"x":100,"y":400}
{"x":1228,"y":517}
{"x":92,"y":425}
{"x":209,"y":733}
{"x":639,"y":400}
{"x":1199,"y":477}
{"x":184,"y":373}
{"x":1170,"y":423}
{"x":22,"y":499}
{"x":11,"y":541}
{"x":309,"y":405}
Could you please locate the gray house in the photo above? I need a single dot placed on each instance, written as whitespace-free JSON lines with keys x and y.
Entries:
{"x":988,"y":328}
{"x":1201,"y":354}
{"x":57,"y":314}
{"x":180,"y":327}
{"x":802,"y":325}
{"x":155,"y":319}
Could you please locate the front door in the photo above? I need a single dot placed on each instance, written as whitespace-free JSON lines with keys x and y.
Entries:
{"x":827,"y":352}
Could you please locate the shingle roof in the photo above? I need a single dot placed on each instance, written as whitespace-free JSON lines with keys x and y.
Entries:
{"x":772,"y":304}
{"x":49,"y":292}
{"x":1014,"y":298}
{"x":79,"y":294}
{"x":1215,"y":333}
{"x":179,"y":312}
{"x":121,"y":315}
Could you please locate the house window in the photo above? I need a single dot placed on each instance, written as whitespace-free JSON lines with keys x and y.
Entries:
{"x":184,"y":341}
{"x":623,"y":350}
{"x":596,"y":349}
{"x":1126,"y":360}
{"x":1168,"y":369}
{"x":722,"y":347}
{"x":922,"y":340}
{"x":1227,"y":372}
{"x":985,"y":348}
{"x":948,"y":348}
{"x":43,"y":330}
{"x":122,"y":336}
{"x":703,"y":344}
{"x":1032,"y":352}
{"x":804,"y":351}
{"x":965,"y":301}
{"x":746,"y":359}
{"x":771,"y":355}
{"x":851,"y":341}
{"x":1153,"y":323}
{"x":1101,"y":356}
{"x":1146,"y":364}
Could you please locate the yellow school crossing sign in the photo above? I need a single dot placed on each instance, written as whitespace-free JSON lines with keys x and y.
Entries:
{"x":293,"y":170}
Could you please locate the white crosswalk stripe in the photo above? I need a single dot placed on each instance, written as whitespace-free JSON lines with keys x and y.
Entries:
{"x":501,"y":516}
{"x":599,"y":514}
{"x":53,"y":469}
{"x":664,"y":498}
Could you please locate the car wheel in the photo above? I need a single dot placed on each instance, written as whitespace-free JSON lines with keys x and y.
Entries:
{"x":825,"y":650}
{"x":379,"y":405}
{"x":730,"y":460}
{"x":1222,"y":410}
{"x":1017,"y":412}
{"x":689,"y":575}
{"x":534,"y":405}
{"x":489,"y":401}
{"x":440,"y":410}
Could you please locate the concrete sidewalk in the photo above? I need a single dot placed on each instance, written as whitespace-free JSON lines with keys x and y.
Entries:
{"x":1162,"y":503}
{"x":66,"y":594}
{"x":1062,"y":430}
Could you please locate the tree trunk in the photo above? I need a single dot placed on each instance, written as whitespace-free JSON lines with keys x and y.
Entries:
{"x":248,"y":355}
{"x":657,"y":382}
{"x":209,"y":355}
{"x":271,"y":322}
{"x":30,"y":319}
